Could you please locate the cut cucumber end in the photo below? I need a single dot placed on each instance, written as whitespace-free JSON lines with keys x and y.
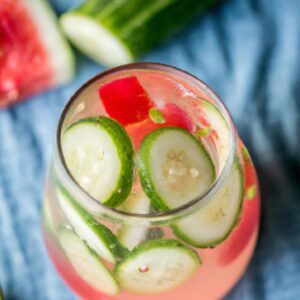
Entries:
{"x":157,"y":266}
{"x":87,"y":263}
{"x":92,"y":38}
{"x":174,"y":167}
{"x":61,"y":57}
{"x":96,"y":235}
{"x":100,"y":156}
{"x":214,"y":222}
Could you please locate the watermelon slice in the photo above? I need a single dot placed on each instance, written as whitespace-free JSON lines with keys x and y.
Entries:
{"x":174,"y":116}
{"x":33,"y":54}
{"x":125,"y":100}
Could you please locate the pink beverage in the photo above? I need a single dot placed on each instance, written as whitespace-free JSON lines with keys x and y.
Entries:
{"x":150,"y":194}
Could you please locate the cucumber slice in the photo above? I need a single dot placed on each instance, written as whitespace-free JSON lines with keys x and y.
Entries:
{"x":61,"y":57}
{"x":174,"y":167}
{"x":48,"y":217}
{"x":137,"y":202}
{"x":99,"y":155}
{"x":131,"y":235}
{"x":116,"y":32}
{"x":157,"y":266}
{"x":96,"y":235}
{"x":219,"y":124}
{"x":214,"y":222}
{"x":87,"y":263}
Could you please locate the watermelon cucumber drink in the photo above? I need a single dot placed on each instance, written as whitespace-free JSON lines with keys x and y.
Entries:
{"x":150,"y":194}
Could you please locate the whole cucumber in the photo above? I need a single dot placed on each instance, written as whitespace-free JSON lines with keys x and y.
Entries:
{"x":132,"y":26}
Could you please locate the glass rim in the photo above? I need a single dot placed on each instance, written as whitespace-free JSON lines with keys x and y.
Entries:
{"x":163,"y":216}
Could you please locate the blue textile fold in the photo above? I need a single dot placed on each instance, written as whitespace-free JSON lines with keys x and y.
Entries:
{"x":248,"y":51}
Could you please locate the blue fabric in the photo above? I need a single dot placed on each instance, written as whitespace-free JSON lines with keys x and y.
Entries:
{"x":248,"y":51}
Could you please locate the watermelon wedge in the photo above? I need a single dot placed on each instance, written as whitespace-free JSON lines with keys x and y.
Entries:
{"x":33,"y":54}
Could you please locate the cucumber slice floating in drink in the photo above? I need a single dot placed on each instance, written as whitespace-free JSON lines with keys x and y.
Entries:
{"x":156,"y":266}
{"x":131,"y":235}
{"x":213,"y":223}
{"x":96,"y":235}
{"x":220,"y":126}
{"x":87,"y":263}
{"x":174,"y":167}
{"x":99,"y":155}
{"x":48,"y":216}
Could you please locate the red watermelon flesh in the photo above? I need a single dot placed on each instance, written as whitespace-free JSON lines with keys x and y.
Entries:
{"x":26,"y":66}
{"x":125,"y":100}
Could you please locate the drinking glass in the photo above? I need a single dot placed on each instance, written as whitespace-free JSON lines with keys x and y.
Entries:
{"x":222,"y":262}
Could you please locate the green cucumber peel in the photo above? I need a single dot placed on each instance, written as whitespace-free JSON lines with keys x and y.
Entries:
{"x":128,"y":27}
{"x":160,"y":243}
